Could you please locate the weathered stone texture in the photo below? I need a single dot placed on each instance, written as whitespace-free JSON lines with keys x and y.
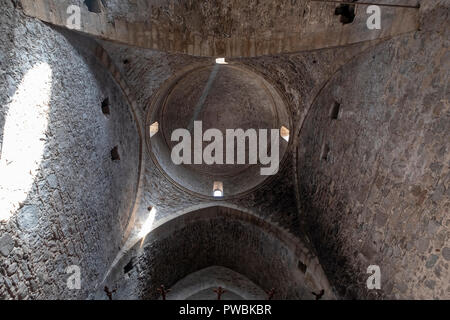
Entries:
{"x":219,"y":237}
{"x":78,"y":205}
{"x":381,"y":194}
{"x":297,"y":77}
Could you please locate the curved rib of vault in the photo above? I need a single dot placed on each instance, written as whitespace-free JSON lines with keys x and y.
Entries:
{"x":200,"y":285}
{"x":218,"y":236}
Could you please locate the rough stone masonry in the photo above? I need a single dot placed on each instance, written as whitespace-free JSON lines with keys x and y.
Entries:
{"x":363,"y":177}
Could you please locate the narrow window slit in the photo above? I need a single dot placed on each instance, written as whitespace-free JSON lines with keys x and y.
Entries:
{"x":285,"y":133}
{"x":154,"y":129}
{"x":105,"y":107}
{"x":221,"y":61}
{"x":335,"y":111}
{"x":302,"y":267}
{"x":129,"y":266}
{"x":93,"y":6}
{"x":115,"y":156}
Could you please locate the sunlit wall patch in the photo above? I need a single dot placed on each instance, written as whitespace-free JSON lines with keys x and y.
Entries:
{"x":24,"y":138}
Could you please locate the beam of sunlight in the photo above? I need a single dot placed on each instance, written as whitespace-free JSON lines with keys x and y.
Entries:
{"x":24,"y":138}
{"x":148,"y":225}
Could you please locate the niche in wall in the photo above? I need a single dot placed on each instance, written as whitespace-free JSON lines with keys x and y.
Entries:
{"x":347,"y":13}
{"x":302,"y":267}
{"x":115,"y":155}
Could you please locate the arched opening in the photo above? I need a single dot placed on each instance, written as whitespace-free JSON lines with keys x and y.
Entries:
{"x":208,"y":118}
{"x":219,"y":236}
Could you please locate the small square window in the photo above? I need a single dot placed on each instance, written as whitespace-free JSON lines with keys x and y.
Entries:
{"x":218,"y":189}
{"x":154,"y":129}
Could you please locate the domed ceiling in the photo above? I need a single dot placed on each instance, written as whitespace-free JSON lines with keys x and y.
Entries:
{"x":221,"y":97}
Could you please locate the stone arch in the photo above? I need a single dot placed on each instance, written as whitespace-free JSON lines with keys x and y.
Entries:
{"x":201,"y":239}
{"x":80,"y":196}
{"x":200,"y":285}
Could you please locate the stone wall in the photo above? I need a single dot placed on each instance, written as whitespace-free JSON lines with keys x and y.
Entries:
{"x":78,"y":202}
{"x":217,"y":236}
{"x":228,"y":28}
{"x":374,"y":183}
